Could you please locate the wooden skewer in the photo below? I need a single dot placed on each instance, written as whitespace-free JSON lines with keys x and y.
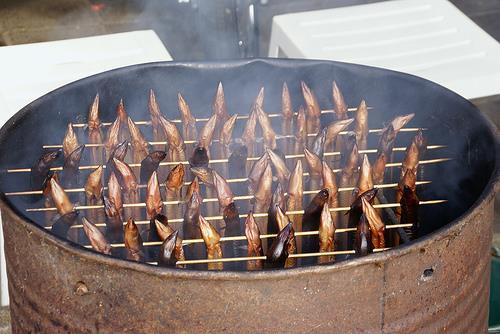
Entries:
{"x":325,"y":111}
{"x":253,"y":258}
{"x":142,"y":186}
{"x":278,"y":137}
{"x":216,"y":161}
{"x":242,"y":237}
{"x":205,"y":200}
{"x":264,"y":214}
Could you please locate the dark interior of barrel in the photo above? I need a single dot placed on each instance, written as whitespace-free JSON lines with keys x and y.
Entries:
{"x":446,"y":118}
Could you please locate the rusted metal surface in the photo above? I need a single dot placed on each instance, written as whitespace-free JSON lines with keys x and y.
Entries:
{"x":437,"y":284}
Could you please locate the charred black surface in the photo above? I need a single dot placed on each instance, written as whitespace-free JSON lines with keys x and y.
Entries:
{"x":234,"y":227}
{"x":71,"y":172}
{"x":151,"y":163}
{"x":199,"y":157}
{"x":278,"y":252}
{"x":310,"y":222}
{"x":237,"y":161}
{"x":41,"y":168}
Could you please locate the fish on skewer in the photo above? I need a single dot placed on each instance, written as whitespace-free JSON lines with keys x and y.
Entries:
{"x":193,"y":187}
{"x":377,"y":226}
{"x":407,"y":181}
{"x":47,"y":195}
{"x":60,"y":198}
{"x":164,"y":231}
{"x":254,"y":244}
{"x":231,"y":218}
{"x":96,"y":238}
{"x":154,"y":204}
{"x":94,"y":131}
{"x":347,"y":176}
{"x":412,"y":155}
{"x":191,"y":227}
{"x":140,"y":147}
{"x":283,"y":220}
{"x":330,"y":182}
{"x":318,"y":145}
{"x":212,"y":243}
{"x":267,"y":129}
{"x":287,"y":116}
{"x":249,"y":131}
{"x":386,"y":144}
{"x":347,"y":179}
{"x":133,"y":242}
{"x":70,"y":141}
{"x":201,"y":153}
{"x":119,"y":152}
{"x":71,"y":172}
{"x":41,"y":168}
{"x":356,"y":210}
{"x":129,"y":185}
{"x":150,"y":164}
{"x":262,"y":196}
{"x":205,"y":174}
{"x":362,"y":237}
{"x":93,"y":193}
{"x":207,"y":133}
{"x":339,"y":104}
{"x":310,"y":222}
{"x":340,"y":109}
{"x":409,"y":210}
{"x":278,"y":201}
{"x":125,"y":176}
{"x":295,"y":193}
{"x":173,"y":186}
{"x":188,"y":121}
{"x":365,"y":180}
{"x":226,"y":136}
{"x":326,"y":235}
{"x":114,"y":225}
{"x":122,"y":115}
{"x":155,"y":114}
{"x":300,"y":130}
{"x":175,"y":142}
{"x":421,"y":142}
{"x":312,"y":108}
{"x":115,"y":192}
{"x":334,"y":128}
{"x":277,"y":254}
{"x":361,"y":125}
{"x":280,"y":167}
{"x":347,"y":152}
{"x":93,"y":186}
{"x":174,"y":182}
{"x":219,"y":108}
{"x":112,"y":137}
{"x":167,"y":257}
{"x":256,"y":172}
{"x":315,"y":166}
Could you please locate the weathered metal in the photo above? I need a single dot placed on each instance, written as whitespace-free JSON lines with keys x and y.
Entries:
{"x":440,"y":283}
{"x":437,"y":283}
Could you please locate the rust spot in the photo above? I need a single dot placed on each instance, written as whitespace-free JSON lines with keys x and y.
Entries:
{"x":81,"y":288}
{"x":427,"y":274}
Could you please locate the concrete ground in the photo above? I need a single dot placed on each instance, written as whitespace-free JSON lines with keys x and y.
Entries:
{"x":27,"y":21}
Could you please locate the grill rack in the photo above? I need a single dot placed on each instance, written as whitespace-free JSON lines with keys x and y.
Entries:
{"x":243,"y":197}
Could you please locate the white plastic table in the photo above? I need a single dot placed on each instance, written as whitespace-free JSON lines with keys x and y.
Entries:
{"x":427,"y":38}
{"x":29,"y":71}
